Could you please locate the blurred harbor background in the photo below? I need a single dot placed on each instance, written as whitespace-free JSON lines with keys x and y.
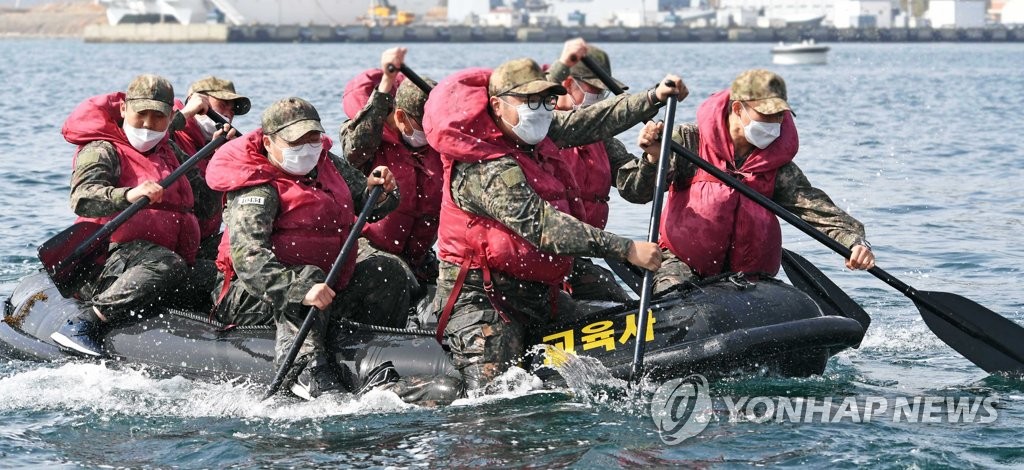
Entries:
{"x":517,"y":20}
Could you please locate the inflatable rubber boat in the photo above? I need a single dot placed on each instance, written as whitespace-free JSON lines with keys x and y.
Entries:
{"x":719,"y":326}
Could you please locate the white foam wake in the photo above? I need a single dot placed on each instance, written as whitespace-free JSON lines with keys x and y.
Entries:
{"x":94,"y":388}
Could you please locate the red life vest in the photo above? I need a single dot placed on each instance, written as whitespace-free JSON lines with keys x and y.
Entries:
{"x":593,"y":172}
{"x":410,"y":230}
{"x":315,"y":214}
{"x":190,"y":140}
{"x":459,"y":125}
{"x":169,"y":223}
{"x":714,"y":228}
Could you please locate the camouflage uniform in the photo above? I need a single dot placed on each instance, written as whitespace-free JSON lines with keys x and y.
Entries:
{"x":360,"y":139}
{"x":481,"y":343}
{"x":265,"y":290}
{"x":792,"y":189}
{"x":222,"y":90}
{"x":589,"y":281}
{"x":138,"y":273}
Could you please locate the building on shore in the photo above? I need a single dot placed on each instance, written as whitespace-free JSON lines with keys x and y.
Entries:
{"x":956,"y":13}
{"x":1012,"y":13}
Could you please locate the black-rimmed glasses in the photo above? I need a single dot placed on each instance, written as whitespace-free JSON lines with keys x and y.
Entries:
{"x":535,"y":101}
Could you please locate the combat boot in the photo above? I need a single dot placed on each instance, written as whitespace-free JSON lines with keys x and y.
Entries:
{"x":79,"y":335}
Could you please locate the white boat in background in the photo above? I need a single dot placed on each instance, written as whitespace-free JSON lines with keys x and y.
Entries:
{"x":807,"y":52}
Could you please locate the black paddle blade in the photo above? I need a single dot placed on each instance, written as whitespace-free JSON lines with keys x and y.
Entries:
{"x":67,"y":269}
{"x":833,"y":301}
{"x":984,"y":337}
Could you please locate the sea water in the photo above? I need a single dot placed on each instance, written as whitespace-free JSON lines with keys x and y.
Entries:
{"x":921,"y":142}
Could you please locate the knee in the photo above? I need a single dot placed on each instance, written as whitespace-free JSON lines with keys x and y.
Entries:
{"x":388,"y":272}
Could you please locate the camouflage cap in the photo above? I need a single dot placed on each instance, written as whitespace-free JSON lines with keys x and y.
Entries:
{"x":766,"y":89}
{"x":291,"y":118}
{"x":410,"y":98}
{"x":147,"y":92}
{"x":521,"y":77}
{"x":581,"y":72}
{"x":222,"y":90}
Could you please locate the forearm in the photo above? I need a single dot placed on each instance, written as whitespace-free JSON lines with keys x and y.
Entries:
{"x":361,"y":135}
{"x":257,"y":267}
{"x":207,"y":201}
{"x":356,"y":182}
{"x":794,"y":192}
{"x":94,"y":190}
{"x":631,"y":176}
{"x":640,"y":176}
{"x":605,"y":119}
{"x":498,"y":190}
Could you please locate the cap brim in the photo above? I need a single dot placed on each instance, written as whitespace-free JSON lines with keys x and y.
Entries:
{"x":594,"y":81}
{"x":240,"y":103}
{"x":771,"y":106}
{"x":296,"y":130}
{"x":138,"y":105}
{"x":538,"y":86}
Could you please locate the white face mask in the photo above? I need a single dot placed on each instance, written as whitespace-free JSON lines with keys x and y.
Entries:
{"x":301,"y":159}
{"x":417,"y":139}
{"x":141,"y":138}
{"x":533,"y":123}
{"x":761,"y":134}
{"x":588,"y":97}
{"x":206,"y":125}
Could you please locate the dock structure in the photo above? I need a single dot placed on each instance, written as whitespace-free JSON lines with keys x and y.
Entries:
{"x":166,"y":32}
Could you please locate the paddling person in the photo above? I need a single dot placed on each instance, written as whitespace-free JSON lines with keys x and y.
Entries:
{"x":192,"y":129}
{"x":597,"y":168}
{"x":708,"y":228}
{"x":290,"y":205}
{"x":509,"y":223}
{"x":387,"y":129}
{"x":123,"y":151}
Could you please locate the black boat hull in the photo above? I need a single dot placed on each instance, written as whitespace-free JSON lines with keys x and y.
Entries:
{"x":715,"y":329}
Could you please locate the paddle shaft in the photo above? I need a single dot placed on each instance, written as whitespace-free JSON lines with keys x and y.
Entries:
{"x":104,"y":232}
{"x":653,"y":231}
{"x":416,"y":79}
{"x":332,"y":277}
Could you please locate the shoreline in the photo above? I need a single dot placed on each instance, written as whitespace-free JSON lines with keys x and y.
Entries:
{"x":468,"y":34}
{"x":87,"y":21}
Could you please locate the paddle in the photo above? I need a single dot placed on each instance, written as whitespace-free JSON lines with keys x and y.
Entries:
{"x":339,"y":262}
{"x":71,"y":255}
{"x":416,"y":79}
{"x":811,"y":281}
{"x":653,"y":233}
{"x":985,"y":338}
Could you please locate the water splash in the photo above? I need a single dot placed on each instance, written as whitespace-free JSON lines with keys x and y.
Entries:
{"x":94,"y":388}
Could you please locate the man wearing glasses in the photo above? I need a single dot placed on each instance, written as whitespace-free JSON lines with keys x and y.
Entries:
{"x":509,"y":223}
